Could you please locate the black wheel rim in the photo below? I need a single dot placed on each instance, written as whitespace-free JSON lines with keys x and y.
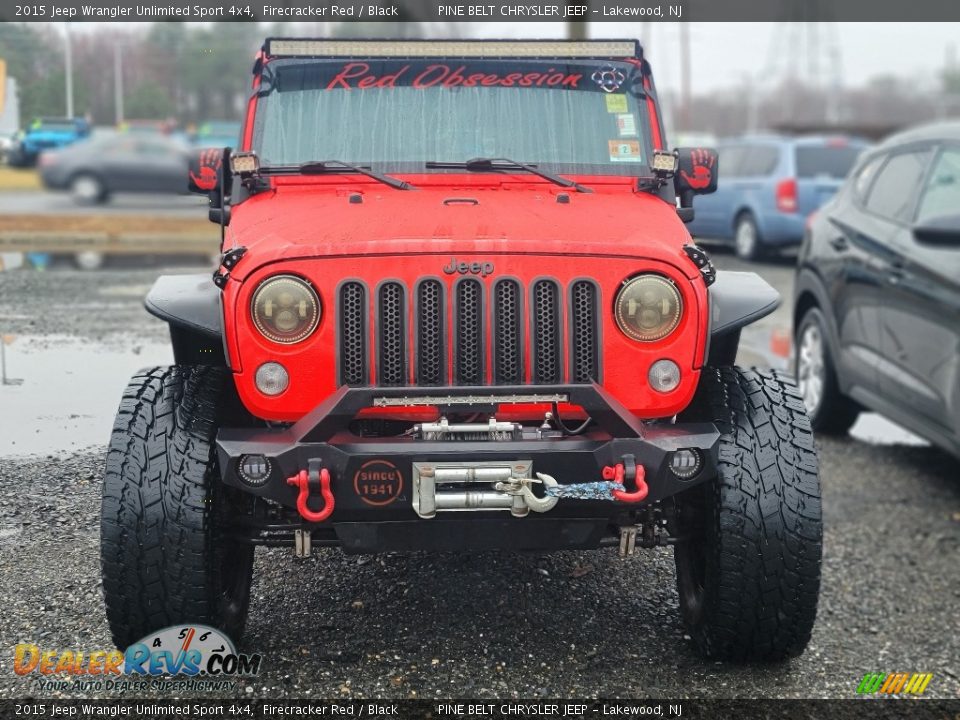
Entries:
{"x":236,"y":573}
{"x":234,"y":563}
{"x":691,"y":558}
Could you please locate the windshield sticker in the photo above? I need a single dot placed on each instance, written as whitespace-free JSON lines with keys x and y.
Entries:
{"x":626,"y":125}
{"x":616,"y":103}
{"x":357,"y":75}
{"x":608,"y":78}
{"x":625,"y":151}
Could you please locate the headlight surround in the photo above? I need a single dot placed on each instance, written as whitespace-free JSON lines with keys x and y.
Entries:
{"x":648,"y":308}
{"x":285,"y":309}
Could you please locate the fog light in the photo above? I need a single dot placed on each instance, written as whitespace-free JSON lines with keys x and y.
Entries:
{"x":664,"y":375}
{"x":685,"y":463}
{"x":254,"y":469}
{"x":272,"y":378}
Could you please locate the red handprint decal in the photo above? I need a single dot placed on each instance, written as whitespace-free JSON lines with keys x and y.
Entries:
{"x":210,"y":161}
{"x":702,"y":162}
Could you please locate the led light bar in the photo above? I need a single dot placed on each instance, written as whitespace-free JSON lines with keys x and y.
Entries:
{"x":664,"y":161}
{"x":246,"y":163}
{"x":492,"y":399}
{"x":301,"y":47}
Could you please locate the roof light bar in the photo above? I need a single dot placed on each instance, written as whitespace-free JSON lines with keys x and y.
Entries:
{"x":300,"y":47}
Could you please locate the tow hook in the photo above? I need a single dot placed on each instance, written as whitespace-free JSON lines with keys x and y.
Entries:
{"x":627,"y":470}
{"x":317,"y":479}
{"x":537,"y":504}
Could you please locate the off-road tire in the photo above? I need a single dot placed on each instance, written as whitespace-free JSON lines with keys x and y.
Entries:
{"x":164,"y":557}
{"x":835,"y":414}
{"x":748,"y":563}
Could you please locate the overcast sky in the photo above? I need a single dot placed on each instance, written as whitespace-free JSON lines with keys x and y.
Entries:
{"x":725,"y":54}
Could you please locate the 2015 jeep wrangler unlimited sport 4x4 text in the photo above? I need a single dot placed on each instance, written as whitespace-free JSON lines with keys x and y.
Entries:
{"x":458,"y":309}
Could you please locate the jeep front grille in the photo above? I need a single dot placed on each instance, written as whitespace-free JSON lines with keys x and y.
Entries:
{"x":466,"y":326}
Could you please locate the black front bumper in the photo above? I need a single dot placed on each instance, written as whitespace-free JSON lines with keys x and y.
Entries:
{"x":386,"y":520}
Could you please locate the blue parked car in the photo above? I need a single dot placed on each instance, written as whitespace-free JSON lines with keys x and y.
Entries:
{"x":769,"y":185}
{"x":47,"y":134}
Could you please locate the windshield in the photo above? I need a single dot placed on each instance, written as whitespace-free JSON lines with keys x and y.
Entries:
{"x":397,"y":115}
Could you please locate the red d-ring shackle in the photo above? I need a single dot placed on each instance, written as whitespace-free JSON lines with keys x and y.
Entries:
{"x":302,"y":481}
{"x":616,"y":473}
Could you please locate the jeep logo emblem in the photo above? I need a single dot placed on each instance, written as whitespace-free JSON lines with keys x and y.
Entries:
{"x":475,"y":268}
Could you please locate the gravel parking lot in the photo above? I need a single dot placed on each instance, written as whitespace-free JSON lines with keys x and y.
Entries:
{"x":486,"y":625}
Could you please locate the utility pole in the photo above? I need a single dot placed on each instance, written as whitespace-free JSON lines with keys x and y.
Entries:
{"x":684,"y":75}
{"x":118,"y":82}
{"x":69,"y":68}
{"x":576,"y":30}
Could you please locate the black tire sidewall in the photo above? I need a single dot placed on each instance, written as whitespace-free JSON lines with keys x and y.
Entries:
{"x":163,"y":554}
{"x":754,"y":533}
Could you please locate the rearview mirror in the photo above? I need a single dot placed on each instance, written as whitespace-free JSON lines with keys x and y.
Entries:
{"x":696,"y":173}
{"x":942,"y":231}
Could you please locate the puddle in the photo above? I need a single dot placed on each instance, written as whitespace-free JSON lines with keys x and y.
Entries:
{"x":64,"y":391}
{"x":877,"y":430}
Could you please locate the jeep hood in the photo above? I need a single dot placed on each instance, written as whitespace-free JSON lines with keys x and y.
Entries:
{"x":371,"y":220}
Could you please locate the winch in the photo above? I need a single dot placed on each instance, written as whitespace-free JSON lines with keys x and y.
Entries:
{"x":499,"y":485}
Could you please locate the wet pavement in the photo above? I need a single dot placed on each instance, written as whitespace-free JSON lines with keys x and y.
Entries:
{"x":60,"y":203}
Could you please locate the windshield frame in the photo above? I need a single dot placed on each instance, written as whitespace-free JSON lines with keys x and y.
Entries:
{"x":645,"y":101}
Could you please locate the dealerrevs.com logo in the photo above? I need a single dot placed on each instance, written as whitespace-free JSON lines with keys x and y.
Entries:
{"x":894,"y":683}
{"x":179,"y":654}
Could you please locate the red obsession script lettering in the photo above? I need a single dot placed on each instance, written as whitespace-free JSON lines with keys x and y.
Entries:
{"x":357,"y":75}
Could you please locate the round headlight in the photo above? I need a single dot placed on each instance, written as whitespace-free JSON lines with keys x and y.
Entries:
{"x":285,"y":309}
{"x":648,"y":308}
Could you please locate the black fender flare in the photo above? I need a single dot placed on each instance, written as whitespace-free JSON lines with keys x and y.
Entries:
{"x":738,"y":299}
{"x":191,"y":305}
{"x":735,"y":299}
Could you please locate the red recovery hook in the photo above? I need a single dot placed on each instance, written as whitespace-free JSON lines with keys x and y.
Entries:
{"x":617,"y":474}
{"x":319,"y":478}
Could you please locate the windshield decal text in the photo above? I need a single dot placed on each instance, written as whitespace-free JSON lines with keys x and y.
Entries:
{"x":357,"y":75}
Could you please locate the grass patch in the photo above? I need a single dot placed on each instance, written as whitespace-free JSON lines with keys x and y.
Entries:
{"x":19,"y":179}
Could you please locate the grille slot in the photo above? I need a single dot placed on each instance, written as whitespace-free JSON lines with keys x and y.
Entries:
{"x":431,"y":348}
{"x":468,"y":360}
{"x":391,"y":365}
{"x":353,"y":334}
{"x":585,"y":333}
{"x":547,"y":356}
{"x":507,"y":333}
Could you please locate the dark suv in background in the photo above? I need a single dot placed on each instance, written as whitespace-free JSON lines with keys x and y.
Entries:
{"x":769,"y":186}
{"x":877,"y":313}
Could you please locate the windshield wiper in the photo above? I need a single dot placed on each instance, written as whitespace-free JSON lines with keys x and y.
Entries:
{"x":318,"y":167}
{"x":481,"y":164}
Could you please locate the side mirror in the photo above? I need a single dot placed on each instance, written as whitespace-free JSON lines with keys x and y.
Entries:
{"x":696,"y":173}
{"x":942,"y":231}
{"x":205,"y":167}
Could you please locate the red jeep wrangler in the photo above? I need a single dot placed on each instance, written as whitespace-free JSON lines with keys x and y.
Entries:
{"x":458,"y":309}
